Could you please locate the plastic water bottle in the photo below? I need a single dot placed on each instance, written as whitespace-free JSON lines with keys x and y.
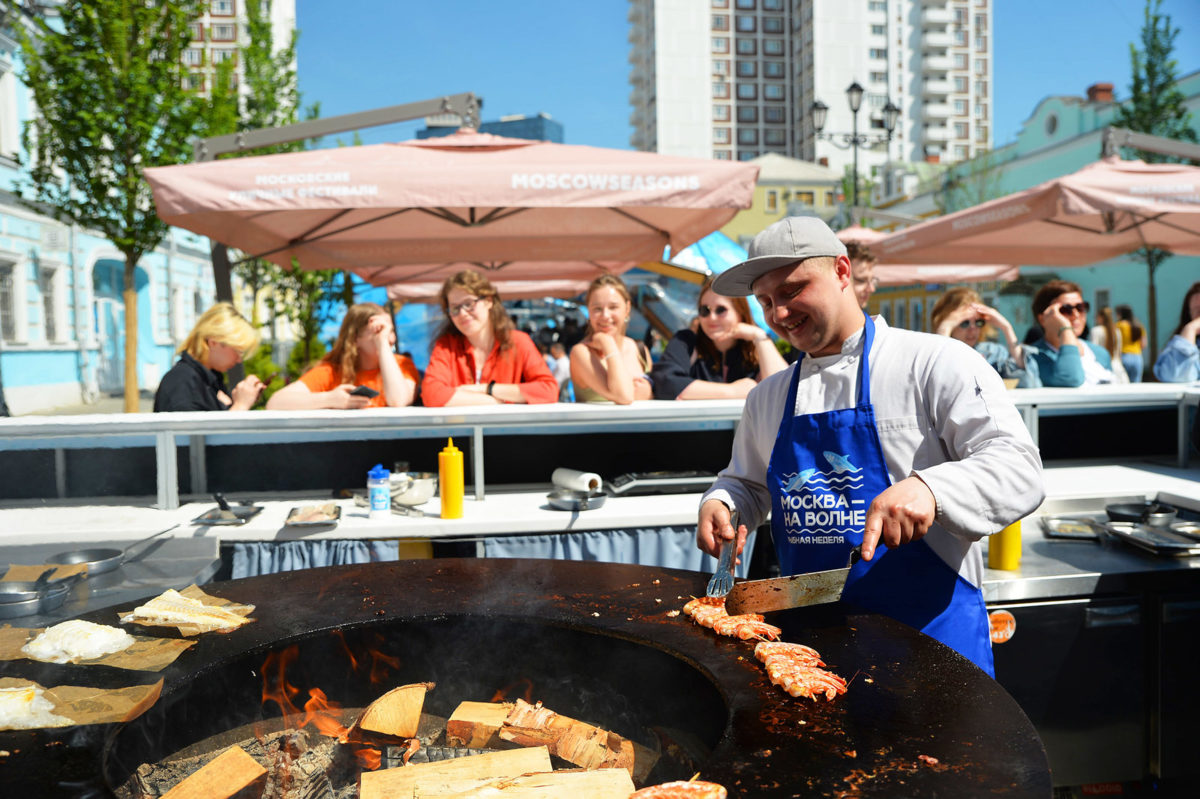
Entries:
{"x":379,"y":492}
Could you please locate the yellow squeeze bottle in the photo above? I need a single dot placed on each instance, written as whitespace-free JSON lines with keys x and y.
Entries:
{"x":450,"y":480}
{"x":1004,"y":548}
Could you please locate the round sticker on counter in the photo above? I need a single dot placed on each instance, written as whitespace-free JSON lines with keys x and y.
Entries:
{"x":1003,"y":625}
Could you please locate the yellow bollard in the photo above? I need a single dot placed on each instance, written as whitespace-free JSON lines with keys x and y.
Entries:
{"x":1004,"y":548}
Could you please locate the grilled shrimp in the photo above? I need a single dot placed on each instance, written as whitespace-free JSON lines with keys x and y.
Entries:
{"x":693,"y":789}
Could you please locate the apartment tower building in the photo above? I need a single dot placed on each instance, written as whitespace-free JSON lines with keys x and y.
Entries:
{"x":221,"y":29}
{"x":734,"y":79}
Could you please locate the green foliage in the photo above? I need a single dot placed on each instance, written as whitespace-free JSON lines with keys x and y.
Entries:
{"x":1156,"y":105}
{"x":302,"y":357}
{"x":311,"y":300}
{"x":969,"y":183}
{"x":262,"y":364}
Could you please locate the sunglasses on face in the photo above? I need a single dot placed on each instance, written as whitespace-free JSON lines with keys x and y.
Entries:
{"x":719,"y":310}
{"x":1080,"y":308}
{"x":465,"y":305}
{"x":966,"y":323}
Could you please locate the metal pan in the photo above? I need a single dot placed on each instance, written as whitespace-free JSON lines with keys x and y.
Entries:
{"x":102,"y":559}
{"x":566,"y":499}
{"x":1154,"y":514}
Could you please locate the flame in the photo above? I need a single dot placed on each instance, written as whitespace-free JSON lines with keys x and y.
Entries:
{"x":346,"y":648}
{"x":503,"y":693}
{"x":380,"y":665}
{"x":368,"y":758}
{"x":322,"y":714}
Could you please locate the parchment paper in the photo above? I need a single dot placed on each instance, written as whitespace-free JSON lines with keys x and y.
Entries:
{"x":85,"y":705}
{"x":21,"y":572}
{"x":146,"y":654}
{"x":193,"y":592}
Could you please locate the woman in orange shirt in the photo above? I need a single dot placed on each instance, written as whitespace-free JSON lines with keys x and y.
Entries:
{"x":362,"y":356}
{"x":480,"y":358}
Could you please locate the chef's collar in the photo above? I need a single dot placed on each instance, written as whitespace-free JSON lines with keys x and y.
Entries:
{"x":851,"y":346}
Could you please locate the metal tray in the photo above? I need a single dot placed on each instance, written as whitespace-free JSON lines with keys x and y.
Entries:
{"x":332,"y":508}
{"x":1080,"y":528}
{"x":1159,"y":540}
{"x":240,"y":515}
{"x":1190,"y":529}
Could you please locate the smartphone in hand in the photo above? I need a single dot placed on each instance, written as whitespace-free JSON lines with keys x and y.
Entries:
{"x":364,"y":391}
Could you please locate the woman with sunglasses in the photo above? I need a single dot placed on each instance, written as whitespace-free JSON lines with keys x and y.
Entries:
{"x":220,"y":340}
{"x":609,"y":366}
{"x":480,"y":358}
{"x":726,"y":357}
{"x":362,"y":370}
{"x":1063,"y":356}
{"x":1179,"y":361}
{"x":961,"y":314}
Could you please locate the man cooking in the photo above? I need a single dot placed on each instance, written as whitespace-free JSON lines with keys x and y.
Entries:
{"x":902,"y":442}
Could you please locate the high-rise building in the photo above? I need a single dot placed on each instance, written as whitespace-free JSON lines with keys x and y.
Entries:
{"x":221,"y":30}
{"x":734,"y":79}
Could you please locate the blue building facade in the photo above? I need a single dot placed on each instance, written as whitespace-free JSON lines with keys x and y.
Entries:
{"x":538,"y":127}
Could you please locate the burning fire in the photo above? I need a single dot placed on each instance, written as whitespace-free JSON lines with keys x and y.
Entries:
{"x":503,"y":693}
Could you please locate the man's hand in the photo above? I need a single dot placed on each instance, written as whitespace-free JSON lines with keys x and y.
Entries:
{"x":714,"y":529}
{"x":899,"y":515}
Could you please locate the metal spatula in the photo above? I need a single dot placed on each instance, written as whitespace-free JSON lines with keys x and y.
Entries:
{"x":722,"y":580}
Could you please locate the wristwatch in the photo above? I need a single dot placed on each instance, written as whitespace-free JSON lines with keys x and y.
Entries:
{"x":491,"y":385}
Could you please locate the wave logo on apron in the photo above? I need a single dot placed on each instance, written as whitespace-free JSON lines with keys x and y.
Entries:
{"x":823,"y":506}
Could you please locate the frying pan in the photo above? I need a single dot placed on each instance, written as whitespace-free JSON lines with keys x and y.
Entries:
{"x":102,"y":559}
{"x":567,"y":499}
{"x":1153,"y":513}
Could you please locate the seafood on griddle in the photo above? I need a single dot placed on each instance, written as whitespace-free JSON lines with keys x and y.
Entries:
{"x":683,"y":789}
{"x":710,"y":612}
{"x":797,"y":669}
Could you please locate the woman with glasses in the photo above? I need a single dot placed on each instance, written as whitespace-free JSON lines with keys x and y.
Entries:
{"x":1179,"y":361}
{"x":361,"y":371}
{"x":961,"y":314}
{"x":1063,"y":356}
{"x":480,"y":358}
{"x":218,"y":342}
{"x":607,"y":365}
{"x":726,"y":357}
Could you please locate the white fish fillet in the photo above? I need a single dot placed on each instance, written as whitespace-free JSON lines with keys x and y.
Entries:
{"x":25,"y":708}
{"x":172,"y":607}
{"x":77,"y":640}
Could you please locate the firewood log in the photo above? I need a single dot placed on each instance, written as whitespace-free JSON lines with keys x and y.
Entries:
{"x":474,"y":724}
{"x":403,"y":781}
{"x":605,"y":783}
{"x":398,"y":712}
{"x":222,"y":777}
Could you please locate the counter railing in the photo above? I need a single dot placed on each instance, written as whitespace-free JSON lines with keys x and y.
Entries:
{"x":165,"y":431}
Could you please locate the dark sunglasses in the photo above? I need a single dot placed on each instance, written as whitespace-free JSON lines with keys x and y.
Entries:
{"x":1082,"y":308}
{"x":966,"y":323}
{"x":720,"y":310}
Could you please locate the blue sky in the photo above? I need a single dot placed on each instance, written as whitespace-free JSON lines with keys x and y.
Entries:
{"x":569,"y":58}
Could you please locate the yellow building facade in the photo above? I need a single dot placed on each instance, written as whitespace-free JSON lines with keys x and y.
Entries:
{"x":786,"y":186}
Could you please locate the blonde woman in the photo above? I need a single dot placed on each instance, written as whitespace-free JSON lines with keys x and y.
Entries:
{"x":218,"y":342}
{"x":961,"y":314}
{"x":726,"y":357}
{"x":609,"y":366}
{"x":361,"y":371}
{"x":1106,"y":335}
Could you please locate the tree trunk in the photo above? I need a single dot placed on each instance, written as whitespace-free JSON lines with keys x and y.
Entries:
{"x":221,"y":271}
{"x":129,"y":295}
{"x":1153,"y":258}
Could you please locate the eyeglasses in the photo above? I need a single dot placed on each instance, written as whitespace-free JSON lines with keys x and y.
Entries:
{"x":465,"y":305}
{"x":966,"y":323}
{"x":1071,"y":310}
{"x":719,"y":310}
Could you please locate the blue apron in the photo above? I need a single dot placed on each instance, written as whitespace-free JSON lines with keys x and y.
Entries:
{"x":825,"y":470}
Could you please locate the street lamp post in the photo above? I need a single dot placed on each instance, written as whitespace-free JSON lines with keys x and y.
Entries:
{"x":853,"y":140}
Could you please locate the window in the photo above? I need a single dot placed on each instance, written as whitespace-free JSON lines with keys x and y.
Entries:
{"x":877,"y":5}
{"x":960,"y":37}
{"x":879,"y":30}
{"x":8,"y":302}
{"x":721,"y":155}
{"x":221,"y":8}
{"x":960,"y":152}
{"x":960,"y":83}
{"x":197,"y":31}
{"x":746,"y":23}
{"x":747,"y":91}
{"x":960,"y":130}
{"x":980,"y":111}
{"x":720,"y":22}
{"x":747,"y":136}
{"x":772,"y":91}
{"x":220,"y":56}
{"x":980,"y":22}
{"x":747,"y":113}
{"x":47,"y":285}
{"x":960,"y":107}
{"x":879,"y":77}
{"x":772,"y":46}
{"x":980,"y":42}
{"x":720,"y":113}
{"x":773,"y":113}
{"x":981,"y":134}
{"x":960,"y":60}
{"x":747,"y":69}
{"x":747,"y":155}
{"x":980,"y":66}
{"x":720,"y":91}
{"x":774,"y":137}
{"x":720,"y":66}
{"x":720,"y":44}
{"x":772,"y":201}
{"x":747,"y":47}
{"x":773,"y":69}
{"x":193,"y":56}
{"x":720,"y":3}
{"x":878,"y":52}
{"x":194,"y":82}
{"x":828,"y":198}
{"x":805,"y":198}
{"x":980,"y":88}
{"x":720,"y":135}
{"x":960,"y":16}
{"x":224,"y":32}
{"x":772,"y":24}
{"x":745,"y":4}
{"x":876,"y":100}
{"x":772,"y":5}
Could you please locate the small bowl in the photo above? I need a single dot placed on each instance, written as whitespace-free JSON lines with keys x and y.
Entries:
{"x":567,"y":499}
{"x":413,"y":488}
{"x":1154,"y":514}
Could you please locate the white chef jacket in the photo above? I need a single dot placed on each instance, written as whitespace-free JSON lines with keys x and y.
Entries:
{"x":942,"y":413}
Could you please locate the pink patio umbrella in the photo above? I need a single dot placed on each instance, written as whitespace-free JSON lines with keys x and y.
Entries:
{"x":890,"y":274}
{"x":391,"y":212}
{"x":429,"y":291}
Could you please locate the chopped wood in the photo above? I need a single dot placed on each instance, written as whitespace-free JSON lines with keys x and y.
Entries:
{"x":474,"y":724}
{"x":225,"y":775}
{"x":404,"y":781}
{"x":398,"y":712}
{"x":605,"y":783}
{"x":577,"y":742}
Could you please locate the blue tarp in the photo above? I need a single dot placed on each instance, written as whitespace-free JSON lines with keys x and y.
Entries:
{"x":716,"y":252}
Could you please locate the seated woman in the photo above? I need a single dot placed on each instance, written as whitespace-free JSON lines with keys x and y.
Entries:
{"x":961,"y":314}
{"x":480,"y":358}
{"x":362,"y":356}
{"x":219,"y":341}
{"x":726,"y":358}
{"x":609,"y":366}
{"x":1062,"y":356}
{"x":1179,"y":362}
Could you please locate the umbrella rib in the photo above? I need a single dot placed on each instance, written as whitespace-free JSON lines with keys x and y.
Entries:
{"x":491,"y":216}
{"x":642,"y":222}
{"x":302,"y":240}
{"x":1073,"y":227}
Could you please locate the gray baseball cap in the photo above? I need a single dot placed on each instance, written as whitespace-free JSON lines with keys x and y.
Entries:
{"x":788,"y":241}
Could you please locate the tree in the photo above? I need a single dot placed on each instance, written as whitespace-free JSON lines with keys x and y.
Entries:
{"x":110,"y":101}
{"x":1155,"y":106}
{"x":970,"y":183}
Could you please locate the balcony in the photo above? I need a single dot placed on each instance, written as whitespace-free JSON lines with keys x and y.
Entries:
{"x":936,"y":87}
{"x":935,"y":40}
{"x":936,"y":63}
{"x":936,"y":133}
{"x":934,"y":14}
{"x":935,"y":111}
